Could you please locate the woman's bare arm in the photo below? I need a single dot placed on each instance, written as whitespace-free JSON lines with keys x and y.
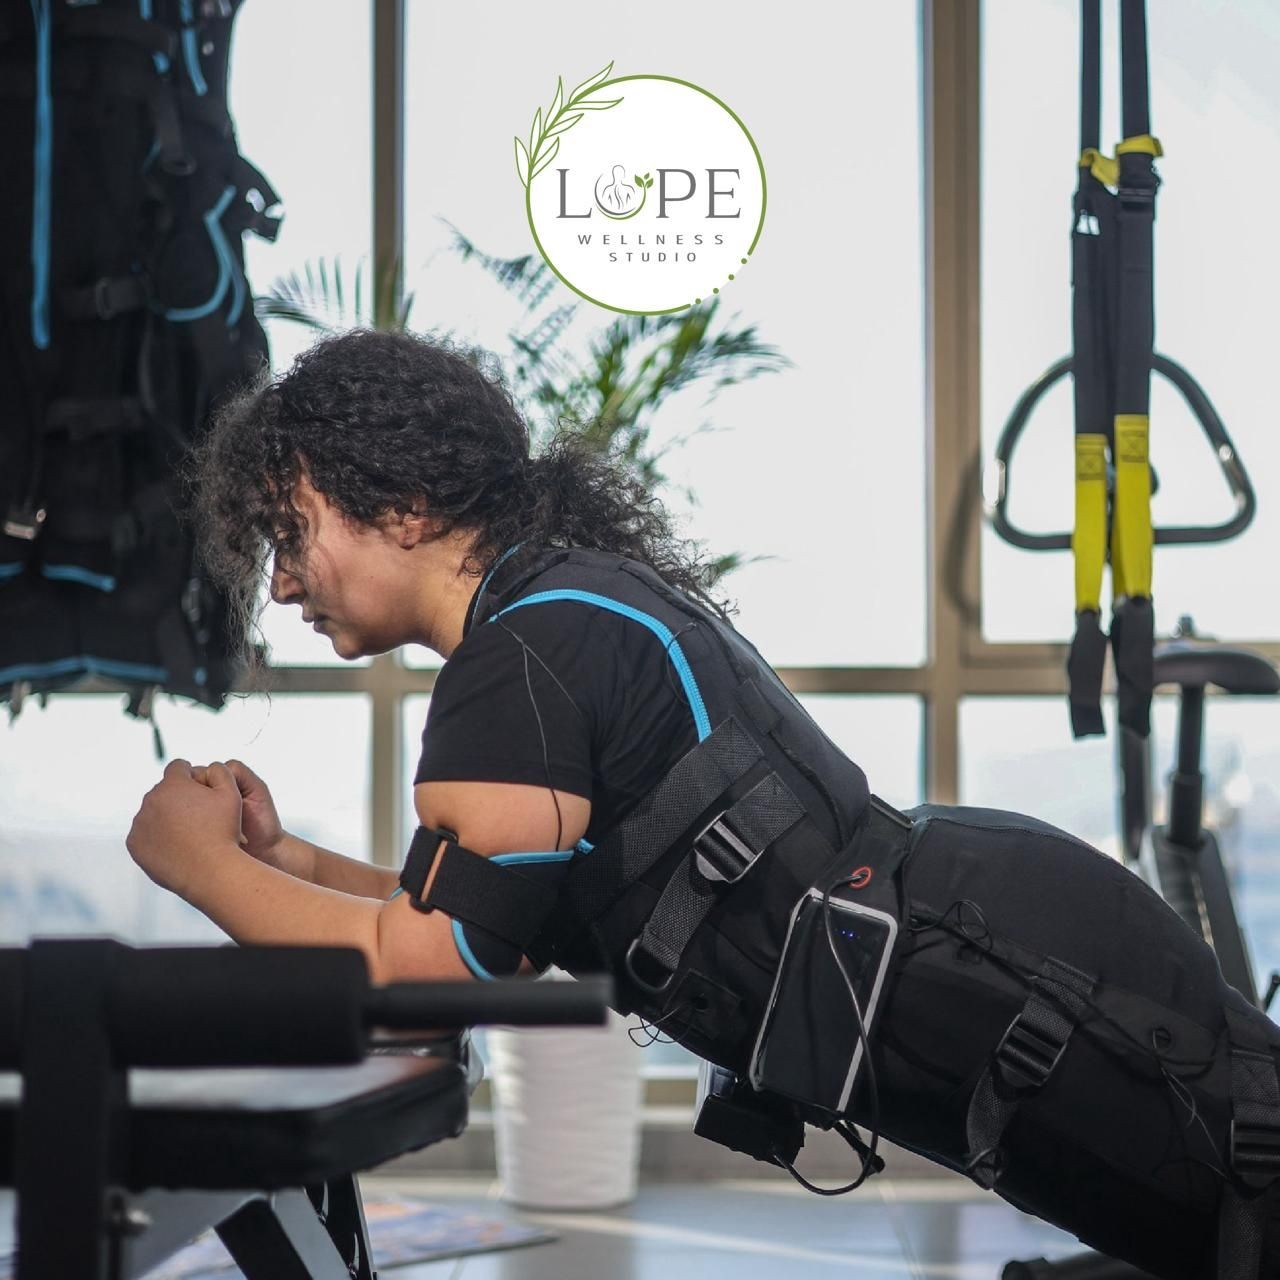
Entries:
{"x":332,"y":870}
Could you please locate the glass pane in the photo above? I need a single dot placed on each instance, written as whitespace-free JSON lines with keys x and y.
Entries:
{"x":1211,"y":94}
{"x":1017,"y":754}
{"x":314,"y":145}
{"x":73,"y":775}
{"x":804,"y":467}
{"x":305,"y":119}
{"x":419,"y":656}
{"x":1242,"y":802}
{"x":413,"y":719}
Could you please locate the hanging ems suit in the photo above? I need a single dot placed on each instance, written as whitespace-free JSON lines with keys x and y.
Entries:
{"x":1112,"y":336}
{"x":975,"y":985}
{"x":125,"y":317}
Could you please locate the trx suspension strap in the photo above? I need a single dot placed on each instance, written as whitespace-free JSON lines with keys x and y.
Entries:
{"x":1112,"y":329}
{"x":1093,"y":380}
{"x":1113,"y":323}
{"x":1132,"y":625}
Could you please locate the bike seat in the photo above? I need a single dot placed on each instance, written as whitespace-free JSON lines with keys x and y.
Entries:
{"x":1190,"y":664}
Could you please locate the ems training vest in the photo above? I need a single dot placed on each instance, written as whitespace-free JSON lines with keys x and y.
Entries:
{"x":125,"y":317}
{"x":1049,"y":1027}
{"x":764,"y":776}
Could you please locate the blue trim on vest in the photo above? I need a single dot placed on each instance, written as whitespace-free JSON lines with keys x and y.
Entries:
{"x":41,"y":197}
{"x":469,"y":956}
{"x":78,"y":573}
{"x":190,"y":54}
{"x":502,"y":859}
{"x":11,"y":570}
{"x":161,"y":60}
{"x":659,"y":629}
{"x":514,"y":859}
{"x":90,"y":666}
{"x":226,"y":271}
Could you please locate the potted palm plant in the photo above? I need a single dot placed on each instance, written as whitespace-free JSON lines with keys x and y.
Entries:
{"x":567,"y":1102}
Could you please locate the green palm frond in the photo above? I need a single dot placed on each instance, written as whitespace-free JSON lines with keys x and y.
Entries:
{"x":610,"y":387}
{"x":328,"y":296}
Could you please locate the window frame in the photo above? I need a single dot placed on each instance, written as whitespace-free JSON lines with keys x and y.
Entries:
{"x":960,"y":662}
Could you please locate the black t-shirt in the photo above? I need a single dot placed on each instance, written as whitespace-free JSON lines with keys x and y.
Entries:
{"x":613,"y":716}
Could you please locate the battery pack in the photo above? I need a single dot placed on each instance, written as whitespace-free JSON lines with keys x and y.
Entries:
{"x":809,"y":1048}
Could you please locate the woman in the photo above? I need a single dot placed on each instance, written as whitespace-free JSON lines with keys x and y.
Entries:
{"x":613,"y":778}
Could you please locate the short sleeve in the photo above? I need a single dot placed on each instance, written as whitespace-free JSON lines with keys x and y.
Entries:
{"x":523,"y":699}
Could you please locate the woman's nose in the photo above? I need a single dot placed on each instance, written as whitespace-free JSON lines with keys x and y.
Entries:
{"x":284,"y":586}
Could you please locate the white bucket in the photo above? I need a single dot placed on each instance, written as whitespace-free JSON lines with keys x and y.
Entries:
{"x":566,"y":1115}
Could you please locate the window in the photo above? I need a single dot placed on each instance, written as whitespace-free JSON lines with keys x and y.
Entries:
{"x":819,"y":468}
{"x":1212,"y":102}
{"x":73,"y":775}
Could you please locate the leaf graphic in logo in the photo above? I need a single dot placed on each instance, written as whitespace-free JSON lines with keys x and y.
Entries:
{"x":547,"y":157}
{"x":590,"y":83}
{"x":534,"y":156}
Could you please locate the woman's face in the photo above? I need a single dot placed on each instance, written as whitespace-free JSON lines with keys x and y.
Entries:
{"x":346,"y":576}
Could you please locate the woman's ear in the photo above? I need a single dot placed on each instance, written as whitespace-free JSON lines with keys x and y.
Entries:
{"x":414,"y":527}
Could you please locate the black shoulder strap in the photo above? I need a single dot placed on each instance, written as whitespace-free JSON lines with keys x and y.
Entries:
{"x":1250,"y":1198}
{"x":697,"y":782}
{"x":721,"y":855}
{"x":474,"y":888}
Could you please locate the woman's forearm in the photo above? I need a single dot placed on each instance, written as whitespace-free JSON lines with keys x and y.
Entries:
{"x":332,"y":870}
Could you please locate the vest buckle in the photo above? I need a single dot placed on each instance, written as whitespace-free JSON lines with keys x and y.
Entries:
{"x":1027,"y":1056}
{"x":720,"y":855}
{"x":652,"y":976}
{"x":1255,"y":1151}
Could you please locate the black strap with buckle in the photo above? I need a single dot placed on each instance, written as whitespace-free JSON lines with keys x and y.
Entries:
{"x":647,"y":834}
{"x":473,"y":888}
{"x":1027,"y":1055}
{"x":723,"y":852}
{"x":1250,"y":1198}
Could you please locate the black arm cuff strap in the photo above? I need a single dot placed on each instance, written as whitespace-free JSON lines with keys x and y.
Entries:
{"x":474,"y":889}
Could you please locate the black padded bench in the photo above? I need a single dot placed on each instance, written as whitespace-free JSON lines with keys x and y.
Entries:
{"x":117,"y":1165}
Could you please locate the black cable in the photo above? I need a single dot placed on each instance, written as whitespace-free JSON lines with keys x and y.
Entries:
{"x":867,"y":1152}
{"x":873,"y":1088}
{"x":1028,"y":976}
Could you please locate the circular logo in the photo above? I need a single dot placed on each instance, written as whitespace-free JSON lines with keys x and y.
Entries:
{"x":645,"y":194}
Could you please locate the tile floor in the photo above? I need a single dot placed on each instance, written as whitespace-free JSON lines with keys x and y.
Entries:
{"x":750,"y":1229}
{"x":753,"y":1229}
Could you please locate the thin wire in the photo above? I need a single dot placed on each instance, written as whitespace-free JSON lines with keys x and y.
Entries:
{"x":866,"y":1152}
{"x":646,"y":1027}
{"x":537,"y":715}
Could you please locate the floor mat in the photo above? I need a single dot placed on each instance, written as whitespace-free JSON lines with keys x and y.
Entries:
{"x":402,"y":1230}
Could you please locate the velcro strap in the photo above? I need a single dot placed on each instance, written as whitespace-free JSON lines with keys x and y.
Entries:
{"x":1133,"y":648}
{"x":82,"y":417}
{"x":474,"y":889}
{"x":1085,"y":664}
{"x":1255,"y":1101}
{"x":753,"y":823}
{"x":1254,"y":1146}
{"x":109,"y":24}
{"x":106,"y":298}
{"x":594,"y":882}
{"x":1024,"y":1060}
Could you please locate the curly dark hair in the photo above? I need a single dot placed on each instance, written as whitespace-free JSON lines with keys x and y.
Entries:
{"x":383,"y":421}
